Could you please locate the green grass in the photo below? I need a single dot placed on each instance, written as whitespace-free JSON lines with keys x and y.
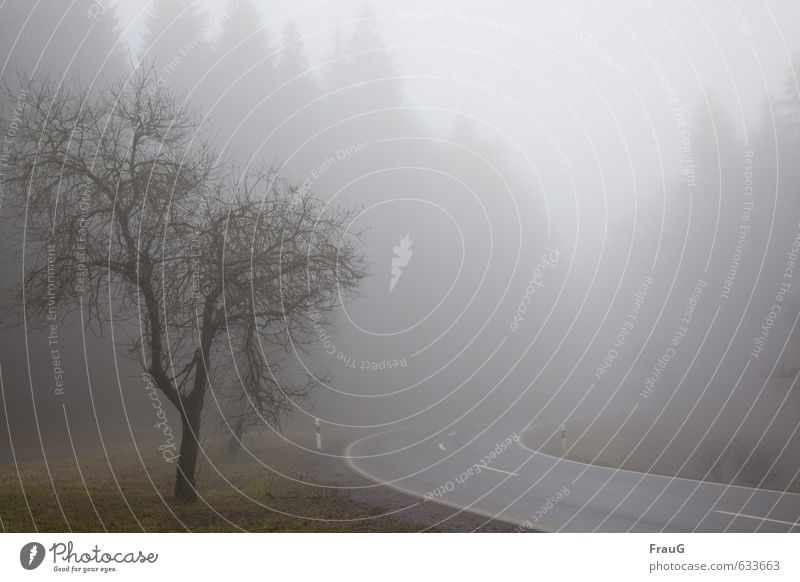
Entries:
{"x":132,"y":503}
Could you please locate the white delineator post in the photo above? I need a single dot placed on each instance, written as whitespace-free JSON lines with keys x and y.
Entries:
{"x":318,"y":434}
{"x":563,"y":439}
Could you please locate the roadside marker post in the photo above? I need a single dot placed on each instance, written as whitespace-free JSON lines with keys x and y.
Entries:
{"x":563,"y":439}
{"x":318,"y":434}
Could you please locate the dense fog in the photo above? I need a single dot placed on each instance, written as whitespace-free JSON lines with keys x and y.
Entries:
{"x":580,"y":213}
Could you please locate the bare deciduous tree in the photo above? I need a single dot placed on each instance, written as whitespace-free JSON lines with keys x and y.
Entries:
{"x":129,"y":215}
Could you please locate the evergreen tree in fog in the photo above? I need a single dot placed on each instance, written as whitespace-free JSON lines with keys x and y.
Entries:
{"x":242,"y":79}
{"x":68,"y":38}
{"x":177,"y":40}
{"x":296,"y":119}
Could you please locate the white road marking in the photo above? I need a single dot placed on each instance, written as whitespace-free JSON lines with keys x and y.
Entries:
{"x":615,"y":470}
{"x":498,"y":470}
{"x":441,"y":446}
{"x":758,"y":517}
{"x":451,"y":433}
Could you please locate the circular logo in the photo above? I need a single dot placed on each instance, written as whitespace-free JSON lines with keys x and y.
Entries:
{"x":31,"y":555}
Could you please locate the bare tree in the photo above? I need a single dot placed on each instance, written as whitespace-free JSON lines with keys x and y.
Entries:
{"x":129,"y":216}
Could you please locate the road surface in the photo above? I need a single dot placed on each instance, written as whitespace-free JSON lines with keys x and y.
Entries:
{"x":542,"y":492}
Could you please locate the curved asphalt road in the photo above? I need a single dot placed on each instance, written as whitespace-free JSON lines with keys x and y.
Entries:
{"x":516,"y":485}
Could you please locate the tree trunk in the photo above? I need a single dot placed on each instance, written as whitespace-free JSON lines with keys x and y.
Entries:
{"x":187,"y":462}
{"x":235,"y":440}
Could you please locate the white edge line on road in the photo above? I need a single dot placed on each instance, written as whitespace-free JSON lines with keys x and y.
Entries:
{"x":498,"y":470}
{"x":758,"y":517}
{"x":350,"y":463}
{"x":566,"y":460}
